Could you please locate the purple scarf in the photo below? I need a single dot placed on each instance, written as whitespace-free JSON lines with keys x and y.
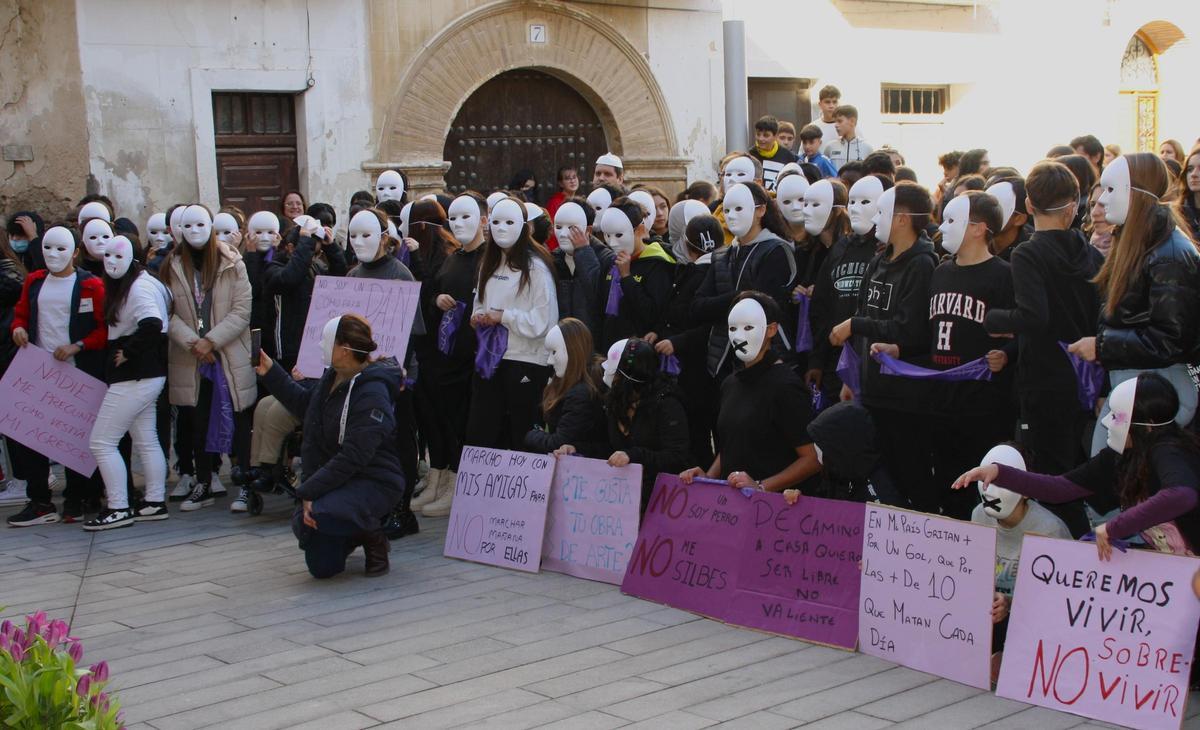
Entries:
{"x":974,"y":370}
{"x":451,"y":319}
{"x":219,"y":439}
{"x":403,"y":253}
{"x":849,"y":369}
{"x":493,"y":343}
{"x":804,"y":341}
{"x":818,"y":399}
{"x":668,"y":364}
{"x":612,"y":306}
{"x":1090,"y":376}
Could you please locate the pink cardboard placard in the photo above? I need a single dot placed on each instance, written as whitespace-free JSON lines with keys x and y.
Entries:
{"x":389,"y":305}
{"x":592,"y":520}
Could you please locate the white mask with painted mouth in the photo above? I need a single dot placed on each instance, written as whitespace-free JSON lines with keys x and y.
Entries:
{"x":405,"y":213}
{"x":818,"y":206}
{"x":118,"y":256}
{"x":389,"y":186}
{"x":225,"y":226}
{"x":94,"y":209}
{"x":263,"y":227}
{"x":599,"y":199}
{"x":1116,"y":190}
{"x":1004,"y":193}
{"x":619,"y":233}
{"x":463,"y":218}
{"x":646,"y":202}
{"x":175,"y":223}
{"x":1120,"y":415}
{"x":789,"y":193}
{"x":739,"y":209}
{"x":365,"y":236}
{"x":508,"y":221}
{"x":747,"y":329}
{"x":96,"y":235}
{"x":158,"y":233}
{"x":609,"y":366}
{"x":556,"y":346}
{"x":739,"y":170}
{"x":197,"y":226}
{"x":58,"y":248}
{"x":328,"y":335}
{"x":864,"y":204}
{"x":998,"y":502}
{"x":954,"y":223}
{"x":883,"y":218}
{"x":567,"y":216}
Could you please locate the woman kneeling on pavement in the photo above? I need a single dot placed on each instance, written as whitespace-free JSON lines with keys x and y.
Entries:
{"x":350,"y":467}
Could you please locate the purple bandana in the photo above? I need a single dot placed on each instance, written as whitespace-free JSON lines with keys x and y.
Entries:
{"x":219,"y":439}
{"x":974,"y":370}
{"x":849,"y":369}
{"x":403,"y":253}
{"x":668,"y":364}
{"x":451,"y":319}
{"x":612,"y":306}
{"x":1090,"y":376}
{"x":493,"y":343}
{"x":818,"y":399}
{"x":804,"y":341}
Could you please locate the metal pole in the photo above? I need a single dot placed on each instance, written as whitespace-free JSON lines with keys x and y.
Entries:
{"x":737,"y":113}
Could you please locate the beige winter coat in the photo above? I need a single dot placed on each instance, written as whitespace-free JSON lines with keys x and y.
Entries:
{"x":229,"y":333}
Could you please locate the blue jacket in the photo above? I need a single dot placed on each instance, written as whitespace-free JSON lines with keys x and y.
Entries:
{"x":823,"y":163}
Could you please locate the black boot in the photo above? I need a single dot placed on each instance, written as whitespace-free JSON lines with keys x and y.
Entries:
{"x":375,"y":550}
{"x":399,"y":523}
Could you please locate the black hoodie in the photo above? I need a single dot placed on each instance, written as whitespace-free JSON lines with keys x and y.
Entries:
{"x":1056,"y":302}
{"x":851,"y":466}
{"x":835,"y":294}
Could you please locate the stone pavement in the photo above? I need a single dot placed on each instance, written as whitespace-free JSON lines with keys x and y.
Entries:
{"x":210,"y":620}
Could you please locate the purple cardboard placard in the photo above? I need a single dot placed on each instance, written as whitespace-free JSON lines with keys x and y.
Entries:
{"x":927,"y":587}
{"x":389,"y":305}
{"x":592,"y":519}
{"x":1108,"y":640}
{"x":50,"y":407}
{"x":498,"y":515}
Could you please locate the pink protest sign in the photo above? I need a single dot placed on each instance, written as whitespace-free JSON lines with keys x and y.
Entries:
{"x":498,"y":516}
{"x":1107,"y":640}
{"x":751,"y":560}
{"x":927,"y":588}
{"x":50,"y":407}
{"x":389,"y":305}
{"x":592,"y":519}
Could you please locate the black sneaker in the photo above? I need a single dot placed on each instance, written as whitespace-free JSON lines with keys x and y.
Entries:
{"x":34,"y":514}
{"x":72,"y":511}
{"x":110,"y":519}
{"x":201,"y":496}
{"x":150,"y":511}
{"x":399,"y":523}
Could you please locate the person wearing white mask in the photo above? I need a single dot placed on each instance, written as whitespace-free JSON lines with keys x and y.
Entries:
{"x":1010,"y":191}
{"x":158,"y":236}
{"x":790,"y":189}
{"x":516,"y":291}
{"x":228,"y":229}
{"x":576,"y":265}
{"x":635,"y":290}
{"x":96,"y":234}
{"x":825,"y":223}
{"x":174,"y":215}
{"x":61,"y":310}
{"x":765,"y":409}
{"x":1149,"y":468}
{"x":389,"y":186}
{"x":136,"y":310}
{"x":209,"y":353}
{"x":572,"y":409}
{"x":258,"y":249}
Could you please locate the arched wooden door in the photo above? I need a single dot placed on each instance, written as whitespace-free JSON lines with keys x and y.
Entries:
{"x":522,"y":119}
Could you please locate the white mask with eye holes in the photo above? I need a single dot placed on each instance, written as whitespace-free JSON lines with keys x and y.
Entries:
{"x":1004,"y":193}
{"x":954,"y":223}
{"x":646,"y":202}
{"x":405,"y":213}
{"x":1000,"y":503}
{"x":883,"y":218}
{"x":567,"y":216}
{"x":818,"y":206}
{"x":96,"y":235}
{"x":747,"y":329}
{"x":609,"y":366}
{"x":619,"y":233}
{"x":263,"y":227}
{"x":365,"y":236}
{"x":197,"y":226}
{"x":556,"y":346}
{"x":789,"y":192}
{"x":463,"y":218}
{"x":175,"y":223}
{"x":389,"y":186}
{"x":1120,"y":415}
{"x":58,"y":248}
{"x":864,"y":204}
{"x":118,"y":256}
{"x":157,"y":232}
{"x":225,"y":226}
{"x":599,"y":199}
{"x":328,"y":337}
{"x":739,"y":170}
{"x":739,"y":210}
{"x":508,"y":221}
{"x":1116,"y":190}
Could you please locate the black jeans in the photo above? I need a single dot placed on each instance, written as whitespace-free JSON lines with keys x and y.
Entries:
{"x":1052,"y":437}
{"x":507,"y":405}
{"x":325,"y":548}
{"x":197,"y":419}
{"x":33,"y":468}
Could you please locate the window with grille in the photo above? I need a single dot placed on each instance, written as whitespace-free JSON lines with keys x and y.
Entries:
{"x":913,"y":100}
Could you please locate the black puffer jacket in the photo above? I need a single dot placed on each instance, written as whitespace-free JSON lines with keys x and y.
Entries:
{"x":289,"y":280}
{"x":852,"y":466}
{"x":577,"y":418}
{"x":1157,"y":322}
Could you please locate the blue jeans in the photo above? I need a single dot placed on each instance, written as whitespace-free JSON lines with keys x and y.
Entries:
{"x":1176,"y":375}
{"x":325,"y":549}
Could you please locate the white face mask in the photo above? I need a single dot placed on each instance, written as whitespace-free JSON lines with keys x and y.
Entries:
{"x":954,"y":223}
{"x":646,"y":202}
{"x":789,"y":192}
{"x":463,"y":217}
{"x":1120,"y":414}
{"x":118,"y":257}
{"x":405,"y":212}
{"x":747,"y":329}
{"x":1116,"y":189}
{"x":197,"y":226}
{"x":739,"y":210}
{"x":1004,"y":193}
{"x":94,"y":209}
{"x":556,"y":346}
{"x":494,"y":198}
{"x":568,"y":215}
{"x":864,"y":204}
{"x":818,"y":206}
{"x":599,"y":199}
{"x":609,"y":367}
{"x":328,"y":334}
{"x":365,"y":235}
{"x":58,"y":248}
{"x":157,"y":232}
{"x":739,"y":170}
{"x":225,"y":226}
{"x":264,"y":227}
{"x":618,"y":231}
{"x":508,"y":221}
{"x":998,"y":502}
{"x":174,"y":223}
{"x":389,"y":186}
{"x":883,"y":219}
{"x":96,"y":235}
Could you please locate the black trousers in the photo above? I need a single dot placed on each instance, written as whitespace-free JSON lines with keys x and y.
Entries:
{"x":904,"y":440}
{"x":448,"y":405}
{"x":507,"y":405}
{"x":1052,"y":437}
{"x":959,"y":443}
{"x":197,"y":418}
{"x":34,"y":468}
{"x":325,"y":548}
{"x":406,"y":443}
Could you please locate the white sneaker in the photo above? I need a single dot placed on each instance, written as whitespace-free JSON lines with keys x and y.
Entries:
{"x":239,"y":504}
{"x":218,"y":489}
{"x":183,"y":488}
{"x":13,"y":492}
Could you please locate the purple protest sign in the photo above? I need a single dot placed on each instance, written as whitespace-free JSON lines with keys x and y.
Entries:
{"x":50,"y":407}
{"x":592,"y":519}
{"x":498,"y":515}
{"x":927,"y":588}
{"x":1108,"y":640}
{"x":389,"y":305}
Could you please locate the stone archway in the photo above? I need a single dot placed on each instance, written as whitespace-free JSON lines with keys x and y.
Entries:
{"x":582,"y":50}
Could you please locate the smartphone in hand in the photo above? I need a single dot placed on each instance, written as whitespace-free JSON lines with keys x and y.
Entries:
{"x":255,"y":347}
